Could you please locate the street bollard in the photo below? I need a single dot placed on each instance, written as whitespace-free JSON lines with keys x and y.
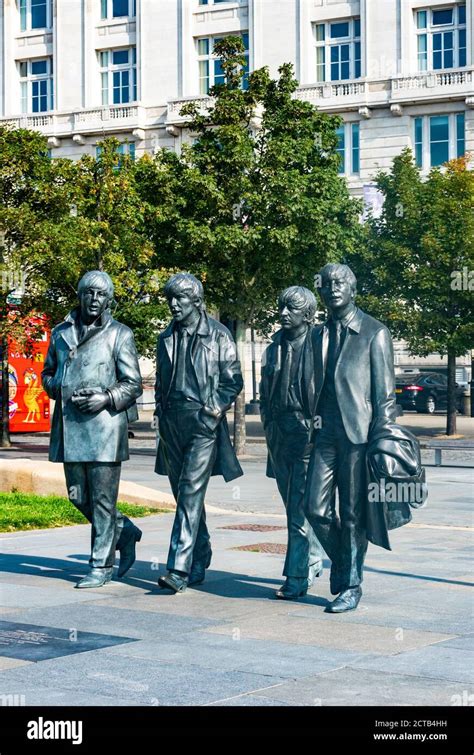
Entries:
{"x":466,"y":403}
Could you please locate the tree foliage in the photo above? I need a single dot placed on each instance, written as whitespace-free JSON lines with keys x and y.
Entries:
{"x":416,"y":269}
{"x":255,"y":203}
{"x":60,"y":218}
{"x":423,"y":238}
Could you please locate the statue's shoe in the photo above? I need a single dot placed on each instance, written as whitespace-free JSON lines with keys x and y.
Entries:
{"x":198,"y":572}
{"x":128,"y":552}
{"x":315,"y":571}
{"x":96,"y":578}
{"x":172,"y":581}
{"x":294,"y":588}
{"x":346,"y":601}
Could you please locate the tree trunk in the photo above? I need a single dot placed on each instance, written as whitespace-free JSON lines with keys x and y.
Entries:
{"x":239,"y":408}
{"x":472,"y":382}
{"x":4,"y":429}
{"x":451,"y":411}
{"x":100,"y":265}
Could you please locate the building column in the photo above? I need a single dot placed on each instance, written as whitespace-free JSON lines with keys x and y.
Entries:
{"x":10,"y":82}
{"x":364,"y":37}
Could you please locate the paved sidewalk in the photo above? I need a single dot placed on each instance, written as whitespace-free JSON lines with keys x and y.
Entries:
{"x":229,"y":642}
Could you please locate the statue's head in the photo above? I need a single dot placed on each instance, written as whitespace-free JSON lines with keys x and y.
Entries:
{"x":185,"y":295}
{"x":95,"y":292}
{"x":338,"y":286}
{"x":296,"y":305}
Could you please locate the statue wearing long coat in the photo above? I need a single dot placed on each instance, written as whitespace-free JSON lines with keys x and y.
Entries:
{"x":106,"y":359}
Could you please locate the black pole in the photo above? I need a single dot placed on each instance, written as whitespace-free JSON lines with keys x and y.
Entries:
{"x":254,"y":368}
{"x":472,"y":383}
{"x":4,"y":423}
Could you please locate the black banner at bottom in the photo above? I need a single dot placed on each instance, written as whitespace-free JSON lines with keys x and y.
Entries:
{"x":83,"y":729}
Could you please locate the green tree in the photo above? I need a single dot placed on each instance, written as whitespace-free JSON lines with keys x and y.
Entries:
{"x":255,"y":203}
{"x":416,"y":268}
{"x":59,"y":218}
{"x":106,"y":229}
{"x":28,"y":197}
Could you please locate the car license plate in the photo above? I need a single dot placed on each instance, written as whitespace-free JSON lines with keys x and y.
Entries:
{"x":398,"y":390}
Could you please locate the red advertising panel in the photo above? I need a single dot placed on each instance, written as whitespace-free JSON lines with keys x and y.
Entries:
{"x":29,"y":404}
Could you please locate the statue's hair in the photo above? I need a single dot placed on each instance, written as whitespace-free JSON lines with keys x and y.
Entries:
{"x":300,"y":297}
{"x":91,"y":278}
{"x":333,"y":267}
{"x":184,"y":283}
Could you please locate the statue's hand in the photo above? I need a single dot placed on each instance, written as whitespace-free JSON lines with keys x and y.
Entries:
{"x":210,"y":417}
{"x":89,"y":401}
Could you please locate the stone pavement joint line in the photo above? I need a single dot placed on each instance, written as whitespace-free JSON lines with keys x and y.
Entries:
{"x":244,"y":694}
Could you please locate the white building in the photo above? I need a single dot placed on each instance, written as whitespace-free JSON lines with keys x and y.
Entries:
{"x":399,"y":72}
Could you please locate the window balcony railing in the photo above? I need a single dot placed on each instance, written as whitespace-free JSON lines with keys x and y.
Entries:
{"x":327,"y":94}
{"x":427,"y":84}
{"x":106,"y":114}
{"x":107,"y":118}
{"x":332,"y":91}
{"x":174,"y":108}
{"x":28,"y":121}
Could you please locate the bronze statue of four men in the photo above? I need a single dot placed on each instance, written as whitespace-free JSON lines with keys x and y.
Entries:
{"x":322,"y":388}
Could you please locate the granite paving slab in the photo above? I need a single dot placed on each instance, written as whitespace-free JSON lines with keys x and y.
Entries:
{"x":232,"y":653}
{"x":139,"y":680}
{"x":434,"y":662}
{"x":350,"y":686}
{"x":330,"y":632}
{"x":123,"y":622}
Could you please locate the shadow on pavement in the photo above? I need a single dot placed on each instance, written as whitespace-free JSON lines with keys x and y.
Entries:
{"x":222,"y":584}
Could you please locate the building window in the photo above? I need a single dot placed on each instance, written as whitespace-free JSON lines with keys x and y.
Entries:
{"x":210,"y":67}
{"x":341,"y":147}
{"x":213,"y":2}
{"x":441,"y":38}
{"x":438,"y":138}
{"x":118,"y":8}
{"x":126,"y":148}
{"x":419,"y":141}
{"x":348,"y":148}
{"x":36,"y":85}
{"x":119,"y":76}
{"x":337,"y":50}
{"x":35,"y":14}
{"x":460,"y":135}
{"x":355,"y":148}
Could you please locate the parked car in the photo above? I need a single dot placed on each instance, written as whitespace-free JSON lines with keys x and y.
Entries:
{"x":425,"y":392}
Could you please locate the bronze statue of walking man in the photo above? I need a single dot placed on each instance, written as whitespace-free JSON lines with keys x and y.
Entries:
{"x":197,"y":379}
{"x":286,"y":407}
{"x":91,"y":371}
{"x":355,"y":386}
